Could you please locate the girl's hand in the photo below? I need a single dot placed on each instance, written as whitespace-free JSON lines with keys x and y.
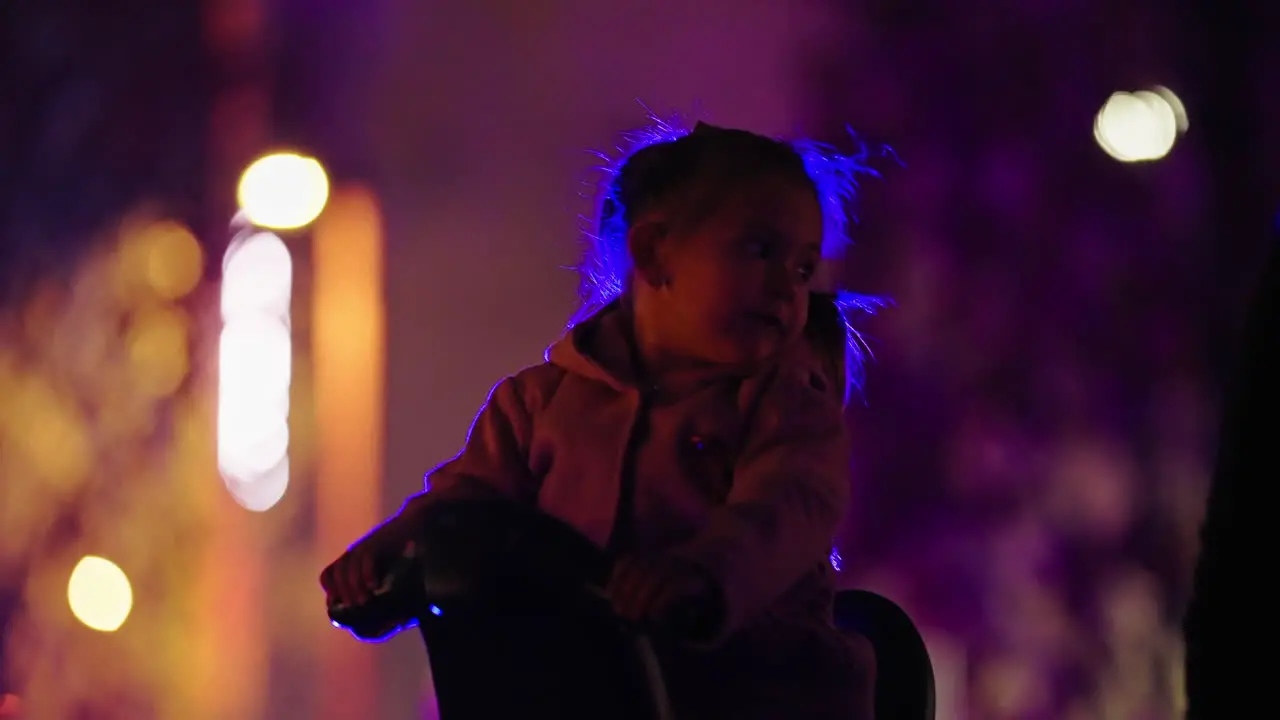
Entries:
{"x":352,"y":578}
{"x":660,"y":590}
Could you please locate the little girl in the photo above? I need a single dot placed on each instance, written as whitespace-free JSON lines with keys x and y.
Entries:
{"x":691,"y":422}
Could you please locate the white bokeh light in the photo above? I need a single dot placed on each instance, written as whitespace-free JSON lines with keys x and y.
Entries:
{"x":1175,"y":104}
{"x":255,"y":368}
{"x":1141,"y":126}
{"x":283,"y":191}
{"x":257,"y":277}
{"x":260,"y":492}
{"x":254,"y":371}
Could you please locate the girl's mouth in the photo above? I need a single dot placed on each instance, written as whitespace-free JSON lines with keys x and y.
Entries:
{"x":767,"y":321}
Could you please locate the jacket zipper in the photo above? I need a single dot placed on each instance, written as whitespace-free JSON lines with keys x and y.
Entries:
{"x":622,"y":535}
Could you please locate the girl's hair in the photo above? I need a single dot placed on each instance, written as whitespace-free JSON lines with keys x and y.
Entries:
{"x":686,"y":177}
{"x":827,"y":334}
{"x":684,"y":173}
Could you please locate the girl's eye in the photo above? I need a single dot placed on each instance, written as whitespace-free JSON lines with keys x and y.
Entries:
{"x":806,"y":271}
{"x":758,"y":249}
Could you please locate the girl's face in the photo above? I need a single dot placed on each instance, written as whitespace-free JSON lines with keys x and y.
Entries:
{"x":737,"y":283}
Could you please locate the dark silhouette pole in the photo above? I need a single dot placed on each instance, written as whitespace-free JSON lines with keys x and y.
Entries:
{"x":1230,"y":626}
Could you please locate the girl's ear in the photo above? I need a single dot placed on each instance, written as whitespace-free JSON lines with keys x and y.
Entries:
{"x":645,"y":242}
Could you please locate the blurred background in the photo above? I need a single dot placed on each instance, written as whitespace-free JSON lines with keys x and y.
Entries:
{"x":215,"y":374}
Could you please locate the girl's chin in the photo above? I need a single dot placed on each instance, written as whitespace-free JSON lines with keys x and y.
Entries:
{"x":741,"y":351}
{"x":754,"y":353}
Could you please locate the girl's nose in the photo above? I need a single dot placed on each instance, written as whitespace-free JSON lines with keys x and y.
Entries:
{"x":782,"y":284}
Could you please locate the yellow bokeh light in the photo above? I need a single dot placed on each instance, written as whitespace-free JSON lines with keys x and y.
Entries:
{"x":99,"y":594}
{"x":155,"y":259}
{"x":283,"y":191}
{"x":174,"y":259}
{"x":48,"y":430}
{"x":10,"y":378}
{"x":157,"y":348}
{"x":42,"y":312}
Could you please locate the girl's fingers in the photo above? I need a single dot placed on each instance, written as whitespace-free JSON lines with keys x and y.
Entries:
{"x":616,"y":589}
{"x":368,"y":574}
{"x":329,"y":584}
{"x":636,"y":587}
{"x":349,"y":581}
{"x":357,"y":577}
{"x":624,"y":586}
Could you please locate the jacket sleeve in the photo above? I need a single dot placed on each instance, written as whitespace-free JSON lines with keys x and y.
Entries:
{"x":494,"y":461}
{"x":790,"y":492}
